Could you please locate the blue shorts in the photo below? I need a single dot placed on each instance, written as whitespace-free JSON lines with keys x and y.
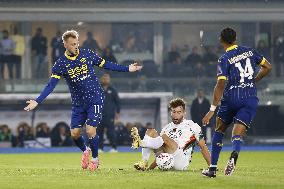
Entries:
{"x":90,"y":114}
{"x":242,"y":110}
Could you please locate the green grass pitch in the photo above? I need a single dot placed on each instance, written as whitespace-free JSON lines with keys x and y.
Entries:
{"x":62,"y":170}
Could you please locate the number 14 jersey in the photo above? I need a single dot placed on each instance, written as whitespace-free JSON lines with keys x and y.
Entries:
{"x":238,"y":66}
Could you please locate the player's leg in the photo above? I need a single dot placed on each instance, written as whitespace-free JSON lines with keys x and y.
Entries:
{"x":152,"y":141}
{"x":169,"y":146}
{"x":224,"y":118}
{"x":78,"y":118}
{"x":217,"y":141}
{"x":78,"y":139}
{"x":238,"y":132}
{"x":94,"y":146}
{"x":146,"y":151}
{"x":181,"y":162}
{"x":216,"y":147}
{"x":242,"y":120}
{"x":94,"y":116}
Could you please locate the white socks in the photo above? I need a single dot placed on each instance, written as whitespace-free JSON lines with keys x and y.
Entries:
{"x":95,"y":159}
{"x":153,"y":143}
{"x":146,"y":152}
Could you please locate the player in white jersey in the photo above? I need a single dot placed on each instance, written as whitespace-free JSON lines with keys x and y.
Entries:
{"x":177,"y":138}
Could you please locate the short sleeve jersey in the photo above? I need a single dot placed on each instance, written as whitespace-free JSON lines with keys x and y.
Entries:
{"x":184,"y":134}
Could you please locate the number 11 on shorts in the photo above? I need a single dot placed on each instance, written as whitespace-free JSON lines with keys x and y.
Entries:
{"x":97,"y":108}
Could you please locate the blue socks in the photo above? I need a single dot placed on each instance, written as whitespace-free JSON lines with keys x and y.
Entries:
{"x":94,"y":145}
{"x":236,"y":140}
{"x":93,"y":142}
{"x":216,"y":149}
{"x":80,"y":142}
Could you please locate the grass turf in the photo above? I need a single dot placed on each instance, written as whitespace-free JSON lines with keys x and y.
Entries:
{"x":62,"y":170}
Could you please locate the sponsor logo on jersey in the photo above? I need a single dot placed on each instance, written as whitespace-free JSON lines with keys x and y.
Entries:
{"x":77,"y":71}
{"x":83,"y":60}
{"x":242,"y":85}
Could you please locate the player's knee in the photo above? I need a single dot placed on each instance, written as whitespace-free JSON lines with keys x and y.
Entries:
{"x":219,"y":129}
{"x":166,"y":139}
{"x":220,"y":126}
{"x":75,"y":134}
{"x":91,"y":131}
{"x":239,"y":129}
{"x":152,"y":133}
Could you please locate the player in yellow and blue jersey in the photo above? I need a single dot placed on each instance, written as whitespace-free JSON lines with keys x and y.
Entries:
{"x":239,"y":102}
{"x":76,"y":66}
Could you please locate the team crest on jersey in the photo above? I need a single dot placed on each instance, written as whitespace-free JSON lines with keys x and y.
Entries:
{"x":83,"y":60}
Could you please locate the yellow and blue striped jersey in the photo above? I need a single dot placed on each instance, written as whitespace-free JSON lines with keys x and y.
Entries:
{"x":238,"y":66}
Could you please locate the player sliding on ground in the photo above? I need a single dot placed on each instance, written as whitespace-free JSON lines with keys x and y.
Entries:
{"x":239,"y":103}
{"x":177,"y":138}
{"x":76,"y":66}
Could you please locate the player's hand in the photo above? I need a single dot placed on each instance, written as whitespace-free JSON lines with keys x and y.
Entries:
{"x":135,"y":67}
{"x":207,"y":117}
{"x":31,"y":105}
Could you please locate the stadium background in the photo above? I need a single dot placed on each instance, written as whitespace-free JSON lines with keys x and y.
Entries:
{"x":161,"y":34}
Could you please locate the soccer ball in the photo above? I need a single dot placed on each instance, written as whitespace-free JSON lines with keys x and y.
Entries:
{"x":165,"y":161}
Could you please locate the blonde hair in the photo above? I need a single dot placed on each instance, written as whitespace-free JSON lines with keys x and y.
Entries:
{"x":70,"y":33}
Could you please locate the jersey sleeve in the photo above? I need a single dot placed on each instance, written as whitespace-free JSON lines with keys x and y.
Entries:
{"x":222,"y":68}
{"x":56,"y":74}
{"x":56,"y":71}
{"x":259,"y":59}
{"x":47,"y":90}
{"x":102,"y":63}
{"x":198,"y":132}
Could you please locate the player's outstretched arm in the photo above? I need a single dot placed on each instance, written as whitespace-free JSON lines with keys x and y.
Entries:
{"x":102,"y":63}
{"x":32,"y":104}
{"x":204,"y":150}
{"x":217,"y":95}
{"x":264,"y":70}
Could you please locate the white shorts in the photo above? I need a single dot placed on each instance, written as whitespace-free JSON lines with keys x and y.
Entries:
{"x":181,"y":161}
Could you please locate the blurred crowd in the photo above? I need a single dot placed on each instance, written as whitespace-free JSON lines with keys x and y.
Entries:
{"x":195,"y":62}
{"x":202,"y":61}
{"x":188,"y":61}
{"x":59,"y":135}
{"x":12,"y":50}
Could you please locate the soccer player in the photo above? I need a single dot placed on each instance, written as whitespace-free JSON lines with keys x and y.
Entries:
{"x":76,"y":66}
{"x":239,"y":102}
{"x":177,"y":138}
